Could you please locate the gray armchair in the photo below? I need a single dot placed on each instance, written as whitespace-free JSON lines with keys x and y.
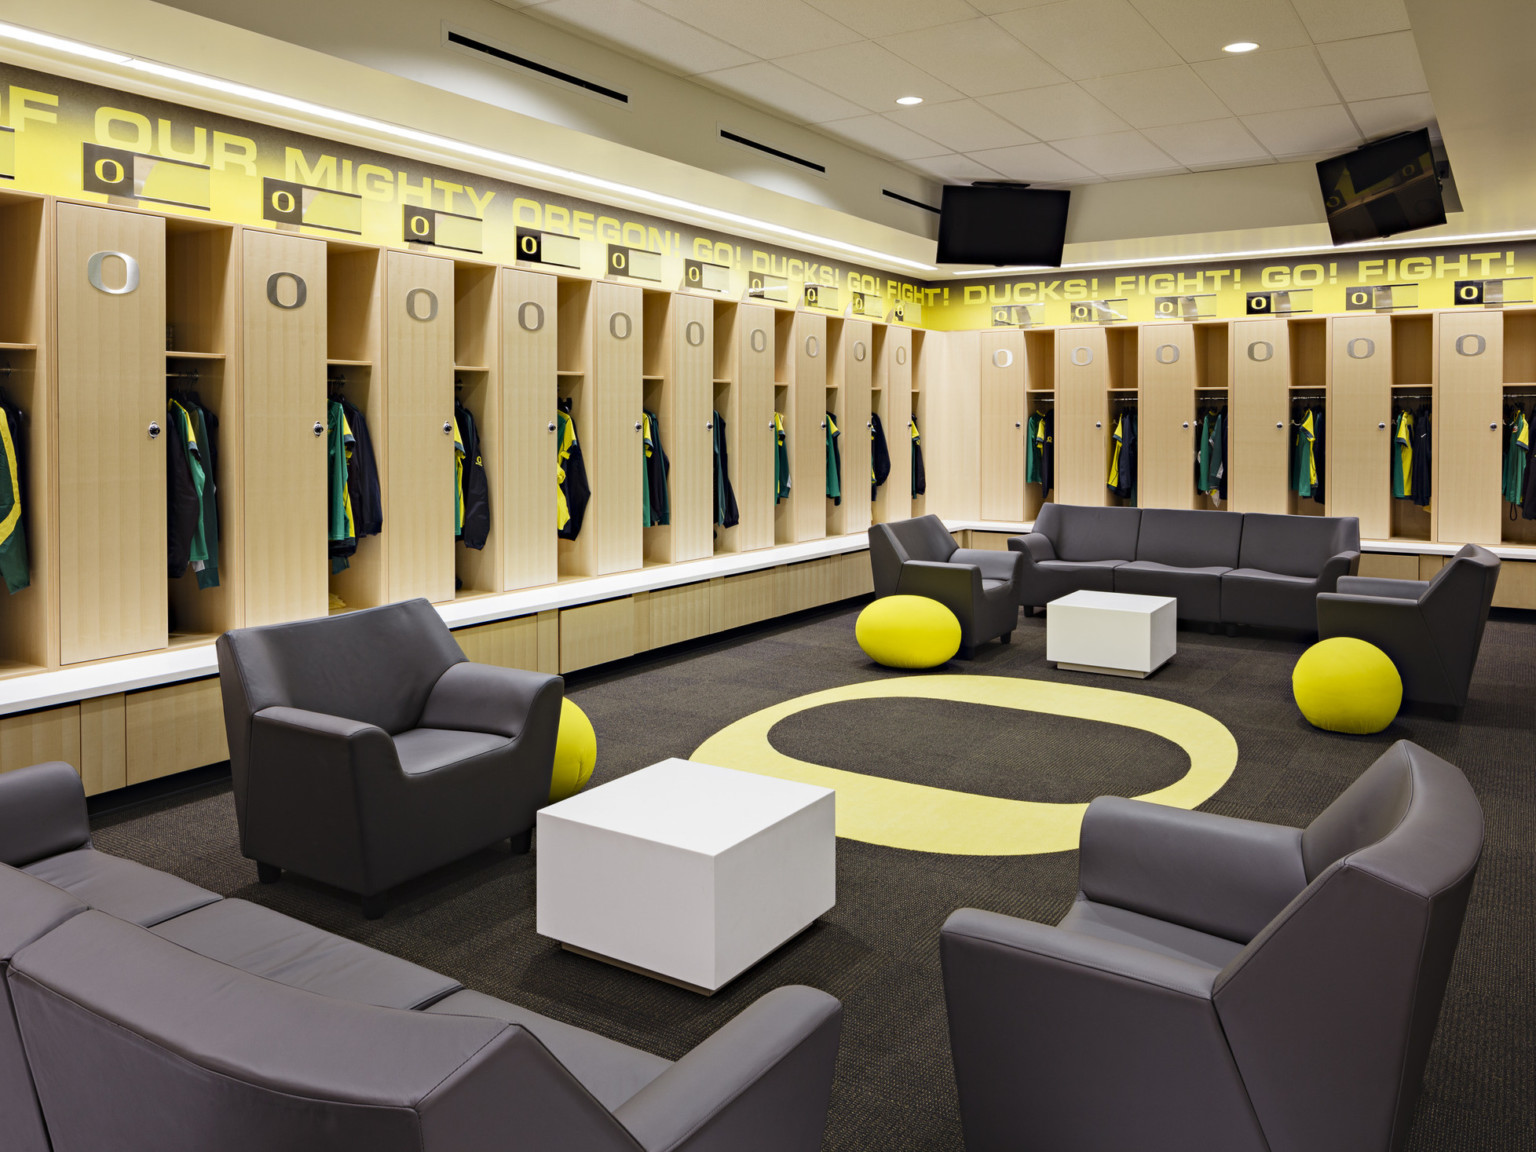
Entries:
{"x":366,"y":750}
{"x":1220,"y":983}
{"x":1432,"y":629}
{"x":919,"y":558}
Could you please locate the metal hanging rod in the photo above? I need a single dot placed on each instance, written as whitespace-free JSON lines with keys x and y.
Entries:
{"x":182,"y":376}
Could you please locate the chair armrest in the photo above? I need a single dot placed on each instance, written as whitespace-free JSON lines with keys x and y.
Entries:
{"x":947,"y":583}
{"x":1380,"y":586}
{"x":472,"y":697}
{"x":317,"y":726}
{"x":1337,"y":567}
{"x":42,"y":813}
{"x":762,"y":1082}
{"x":1036,"y":545}
{"x":1378,"y":620}
{"x":1211,"y":873}
{"x":994,"y":565}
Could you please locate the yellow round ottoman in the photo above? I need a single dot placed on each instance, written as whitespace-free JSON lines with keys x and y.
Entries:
{"x":575,"y":753}
{"x":908,"y":632}
{"x":1346,"y":685}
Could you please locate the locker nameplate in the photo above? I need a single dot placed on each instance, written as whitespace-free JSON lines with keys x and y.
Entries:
{"x":299,"y":205}
{"x":443,"y":229}
{"x":703,"y":274}
{"x":634,"y":263}
{"x":135,"y":176}
{"x":539,"y":247}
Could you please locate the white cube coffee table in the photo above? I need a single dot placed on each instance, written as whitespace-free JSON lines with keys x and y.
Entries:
{"x":685,"y":871}
{"x":1113,"y":633}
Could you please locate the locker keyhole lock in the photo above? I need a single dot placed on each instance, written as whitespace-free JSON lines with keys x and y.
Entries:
{"x":823,"y":423}
{"x":637,"y":425}
{"x":1016,"y":424}
{"x":1186,"y":423}
{"x":1279,"y":424}
{"x":1493,"y":427}
{"x":447,"y":427}
{"x":551,"y":425}
{"x":1098,"y":423}
{"x":319,"y":428}
{"x":709,"y":425}
{"x":154,"y":429}
{"x":1381,"y":426}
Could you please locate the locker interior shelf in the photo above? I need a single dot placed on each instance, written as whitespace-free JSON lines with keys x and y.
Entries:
{"x":7,"y":347}
{"x":336,"y":362}
{"x":177,"y":355}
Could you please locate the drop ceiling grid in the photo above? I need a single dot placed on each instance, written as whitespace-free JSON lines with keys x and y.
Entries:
{"x":1056,"y":93}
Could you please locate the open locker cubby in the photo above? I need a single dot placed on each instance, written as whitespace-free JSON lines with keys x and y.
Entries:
{"x":657,"y":391}
{"x":477,"y":386}
{"x":1121,"y":402}
{"x":1309,"y":352}
{"x":919,"y":410}
{"x":577,"y":558}
{"x":727,"y":405}
{"x":1303,"y":400}
{"x":784,"y":407}
{"x":837,"y":513}
{"x":1123,"y":346}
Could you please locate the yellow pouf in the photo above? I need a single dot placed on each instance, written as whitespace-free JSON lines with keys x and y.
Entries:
{"x":908,"y":632}
{"x":575,"y":753}
{"x":1346,"y":685}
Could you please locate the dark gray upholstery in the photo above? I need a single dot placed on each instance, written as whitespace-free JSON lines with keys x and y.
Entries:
{"x":919,"y":558}
{"x":365,"y":749}
{"x":1074,"y":547}
{"x":1220,"y":983}
{"x":1183,"y":554}
{"x":1285,"y":562}
{"x":1432,"y":631}
{"x":233,"y":1027}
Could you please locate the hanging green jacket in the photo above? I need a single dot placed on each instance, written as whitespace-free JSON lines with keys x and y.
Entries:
{"x":1516,"y":459}
{"x":781,"y":483}
{"x":14,"y":566}
{"x":834,"y":461}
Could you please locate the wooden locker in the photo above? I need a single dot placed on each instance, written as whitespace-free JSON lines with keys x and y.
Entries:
{"x":1003,"y":381}
{"x":111,"y":405}
{"x":1165,"y":419}
{"x":525,"y":512}
{"x":853,"y":514}
{"x":753,"y":441}
{"x":1359,"y":418}
{"x":808,"y":435}
{"x":284,"y":486}
{"x":615,"y":457}
{"x":1468,"y":424}
{"x":1082,"y":412}
{"x":686,"y":428}
{"x":418,"y":452}
{"x":477,"y":385}
{"x":1260,"y":416}
{"x":893,"y":376}
{"x":948,"y":411}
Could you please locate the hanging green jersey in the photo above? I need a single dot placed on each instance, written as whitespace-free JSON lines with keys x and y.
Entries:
{"x":1402,"y":455}
{"x":781,"y":482}
{"x":1306,"y":465}
{"x":834,"y":462}
{"x":1114,"y":460}
{"x":1516,"y":459}
{"x":458,"y":478}
{"x":14,"y":565}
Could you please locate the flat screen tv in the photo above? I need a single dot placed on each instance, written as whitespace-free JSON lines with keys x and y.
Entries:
{"x":991,"y":224}
{"x":1382,"y":189}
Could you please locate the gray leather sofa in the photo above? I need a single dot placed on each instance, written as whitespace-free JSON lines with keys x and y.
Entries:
{"x":1220,"y":983}
{"x":919,"y":557}
{"x":366,"y":750}
{"x":1431,"y":629}
{"x":144,"y":1014}
{"x":1222,"y":567}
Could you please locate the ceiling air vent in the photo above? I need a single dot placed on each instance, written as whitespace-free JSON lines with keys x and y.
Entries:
{"x":502,"y":56}
{"x":735,"y":138}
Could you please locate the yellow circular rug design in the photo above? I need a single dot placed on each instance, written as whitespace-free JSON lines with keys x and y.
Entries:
{"x":926,"y":819}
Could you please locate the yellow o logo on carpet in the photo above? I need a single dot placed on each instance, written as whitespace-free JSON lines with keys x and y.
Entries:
{"x":921,"y":818}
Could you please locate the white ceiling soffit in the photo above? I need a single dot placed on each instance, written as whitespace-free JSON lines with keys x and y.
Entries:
{"x":1058,"y":94}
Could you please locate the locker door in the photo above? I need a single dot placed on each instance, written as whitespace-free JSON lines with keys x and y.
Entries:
{"x":418,"y":453}
{"x":616,"y":464}
{"x":1359,"y":416}
{"x":111,"y":372}
{"x":752,"y":463}
{"x":525,"y":516}
{"x":283,"y":494}
{"x":894,"y":499}
{"x":687,"y":436}
{"x":1261,"y":417}
{"x":1166,"y":418}
{"x":1002,"y":425}
{"x":1468,"y":422}
{"x":808,"y":443}
{"x":858,"y":363}
{"x":1082,"y":411}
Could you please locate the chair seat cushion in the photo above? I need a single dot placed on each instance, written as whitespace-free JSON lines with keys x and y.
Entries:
{"x":281,"y":949}
{"x":611,"y":1071}
{"x":428,"y":749}
{"x":1077,"y":565}
{"x":119,"y":887}
{"x":996,"y":586}
{"x":1106,"y":922}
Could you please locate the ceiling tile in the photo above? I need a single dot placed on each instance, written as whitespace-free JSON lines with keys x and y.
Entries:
{"x":881,"y":17}
{"x":1090,"y":37}
{"x":954,"y":169}
{"x":644,"y":32}
{"x":961,"y":125}
{"x":975,"y":56}
{"x":1160,"y":96}
{"x":1032,"y":162}
{"x":1394,"y":114}
{"x":770,"y":85}
{"x":1304,"y":131}
{"x":1208,"y":144}
{"x":993,"y":6}
{"x":880,"y":135}
{"x":1055,"y":113}
{"x":1198,"y":29}
{"x":1269,"y":81}
{"x":867,"y":74}
{"x":1333,"y":20}
{"x":1375,"y":66}
{"x":767,"y":28}
{"x":1118,"y":154}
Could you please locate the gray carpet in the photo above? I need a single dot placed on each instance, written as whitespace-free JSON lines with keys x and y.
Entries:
{"x":877,"y":950}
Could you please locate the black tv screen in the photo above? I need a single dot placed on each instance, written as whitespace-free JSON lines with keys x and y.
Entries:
{"x":991,"y":225}
{"x":1382,"y":189}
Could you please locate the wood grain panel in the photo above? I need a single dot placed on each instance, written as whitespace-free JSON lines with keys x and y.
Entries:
{"x":807,"y":584}
{"x":1261,"y":417}
{"x":893,"y":401}
{"x":38,"y":736}
{"x":615,"y":458}
{"x":751,"y":436}
{"x":685,"y":428}
{"x":1003,"y":376}
{"x":808,"y":443}
{"x":948,"y":404}
{"x":1359,"y":414}
{"x":1082,"y":415}
{"x":1468,"y":427}
{"x":505,"y":643}
{"x":103,"y":744}
{"x":735,"y":601}
{"x":477,"y":329}
{"x":856,"y":378}
{"x":283,"y":485}
{"x":854,"y":576}
{"x":526,"y":513}
{"x":1517,"y":585}
{"x":1389,"y":566}
{"x":678,"y":614}
{"x":1165,"y":421}
{"x":991,"y":541}
{"x":111,"y":388}
{"x":174,"y":729}
{"x":596,"y":633}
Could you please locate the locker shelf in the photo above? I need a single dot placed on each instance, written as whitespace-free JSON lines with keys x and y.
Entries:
{"x":7,"y":347}
{"x":338,"y":363}
{"x":470,"y":368}
{"x":169,"y":355}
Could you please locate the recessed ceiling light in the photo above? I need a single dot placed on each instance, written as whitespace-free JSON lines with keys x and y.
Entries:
{"x":1239,"y":46}
{"x":909,"y":99}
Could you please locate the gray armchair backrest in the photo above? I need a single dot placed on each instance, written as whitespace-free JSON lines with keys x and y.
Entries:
{"x":1082,"y":533}
{"x":1295,"y":545}
{"x":1190,"y":539}
{"x":1330,"y":1010}
{"x":1455,"y":607}
{"x":892,"y":545}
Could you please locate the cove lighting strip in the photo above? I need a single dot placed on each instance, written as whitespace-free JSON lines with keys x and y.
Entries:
{"x":448,"y":144}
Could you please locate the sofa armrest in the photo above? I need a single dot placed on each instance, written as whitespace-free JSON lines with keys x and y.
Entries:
{"x":1036,"y":545}
{"x":472,"y":697}
{"x":994,"y":565}
{"x":42,"y":813}
{"x":1339,"y":566}
{"x":761,"y":1082}
{"x":1211,"y":873}
{"x":1380,"y":586}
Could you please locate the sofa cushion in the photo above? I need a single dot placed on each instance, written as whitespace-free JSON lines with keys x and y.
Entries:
{"x":119,"y":887}
{"x":1187,"y":539}
{"x":611,"y":1071}
{"x":267,"y":943}
{"x":1295,"y":545}
{"x":1083,"y":533}
{"x":427,"y":749}
{"x":1106,"y":922}
{"x":32,"y":908}
{"x":1198,"y":590}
